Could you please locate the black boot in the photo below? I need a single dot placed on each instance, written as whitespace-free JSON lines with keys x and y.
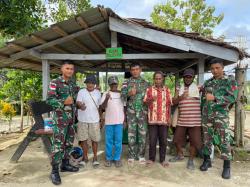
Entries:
{"x":226,"y":170}
{"x":206,"y":163}
{"x":54,"y":176}
{"x":67,"y":167}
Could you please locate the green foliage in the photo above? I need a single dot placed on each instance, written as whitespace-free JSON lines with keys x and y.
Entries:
{"x":189,"y":15}
{"x":63,"y":9}
{"x":18,"y":18}
{"x":22,"y":17}
{"x":169,"y":80}
{"x":22,"y":84}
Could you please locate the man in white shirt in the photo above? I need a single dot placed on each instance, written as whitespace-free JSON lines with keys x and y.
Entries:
{"x":88,"y":101}
{"x":114,"y":118}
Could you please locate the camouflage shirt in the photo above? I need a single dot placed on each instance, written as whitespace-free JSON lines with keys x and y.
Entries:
{"x":58,"y":92}
{"x":135,"y":102}
{"x":225,"y":92}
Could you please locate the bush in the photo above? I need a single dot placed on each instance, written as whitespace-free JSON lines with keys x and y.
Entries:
{"x":7,"y":110}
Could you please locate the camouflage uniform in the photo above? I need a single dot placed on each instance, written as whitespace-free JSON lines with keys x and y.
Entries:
{"x":215,"y":115}
{"x":136,"y":117}
{"x":63,"y":118}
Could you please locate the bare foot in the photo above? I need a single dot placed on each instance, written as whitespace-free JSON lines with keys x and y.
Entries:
{"x":149,"y":162}
{"x":165,"y":164}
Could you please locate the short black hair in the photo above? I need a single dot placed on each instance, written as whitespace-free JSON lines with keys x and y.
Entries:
{"x":160,"y":73}
{"x":134,"y":65}
{"x":216,"y":61}
{"x":68,"y":62}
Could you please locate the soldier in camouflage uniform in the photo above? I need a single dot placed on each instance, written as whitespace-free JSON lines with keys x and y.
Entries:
{"x":133,"y":92}
{"x":61,"y":96}
{"x":218,"y":95}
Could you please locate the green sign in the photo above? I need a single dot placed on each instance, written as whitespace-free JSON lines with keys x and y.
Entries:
{"x":114,"y":53}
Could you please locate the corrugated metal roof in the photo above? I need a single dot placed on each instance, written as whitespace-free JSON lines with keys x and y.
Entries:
{"x":95,"y":42}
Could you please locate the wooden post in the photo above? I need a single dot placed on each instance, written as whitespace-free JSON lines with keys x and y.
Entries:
{"x":239,"y":124}
{"x":46,"y":77}
{"x":200,"y":70}
{"x":177,"y":81}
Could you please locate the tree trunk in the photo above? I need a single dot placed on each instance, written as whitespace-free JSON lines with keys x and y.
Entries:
{"x":9,"y":125}
{"x":22,"y":105}
{"x":28,"y":117}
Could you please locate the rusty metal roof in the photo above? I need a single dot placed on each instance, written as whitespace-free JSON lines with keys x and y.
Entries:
{"x":96,"y":42}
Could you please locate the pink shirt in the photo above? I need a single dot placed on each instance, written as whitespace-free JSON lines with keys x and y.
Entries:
{"x":114,"y":112}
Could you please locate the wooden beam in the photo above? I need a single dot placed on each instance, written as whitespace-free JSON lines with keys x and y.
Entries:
{"x":61,"y":32}
{"x":58,"y":41}
{"x":3,"y":56}
{"x":15,"y":46}
{"x":201,"y":70}
{"x":46,"y":77}
{"x":187,"y":65}
{"x":94,"y":36}
{"x":54,"y":56}
{"x":114,"y":39}
{"x":104,"y":13}
{"x":42,"y":41}
{"x":171,"y":40}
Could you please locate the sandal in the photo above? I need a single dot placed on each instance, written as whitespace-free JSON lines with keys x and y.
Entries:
{"x":82,"y":164}
{"x":176,"y":159}
{"x":165,"y":164}
{"x":95,"y":164}
{"x":108,"y":163}
{"x":118,"y":163}
{"x":142,"y":161}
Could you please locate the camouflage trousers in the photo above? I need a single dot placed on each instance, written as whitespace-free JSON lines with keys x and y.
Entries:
{"x":63,"y":137}
{"x":137,"y":131}
{"x":216,"y":131}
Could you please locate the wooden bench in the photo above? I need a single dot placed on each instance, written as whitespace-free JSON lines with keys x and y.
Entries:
{"x":37,"y":130}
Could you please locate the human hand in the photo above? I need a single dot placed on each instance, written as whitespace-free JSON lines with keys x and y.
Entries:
{"x":210,"y":97}
{"x":132,"y":92}
{"x":69,"y":101}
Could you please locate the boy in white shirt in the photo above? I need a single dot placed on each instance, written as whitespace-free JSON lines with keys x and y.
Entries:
{"x":114,"y":118}
{"x":88,"y":101}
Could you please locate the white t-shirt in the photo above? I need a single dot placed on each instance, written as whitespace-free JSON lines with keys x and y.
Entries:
{"x":90,"y":114}
{"x":114,"y":112}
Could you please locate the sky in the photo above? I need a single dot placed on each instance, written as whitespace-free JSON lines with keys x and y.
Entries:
{"x":235,"y":25}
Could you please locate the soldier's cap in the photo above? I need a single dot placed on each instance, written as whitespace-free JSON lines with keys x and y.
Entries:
{"x":188,"y":72}
{"x":113,"y":80}
{"x":90,"y":79}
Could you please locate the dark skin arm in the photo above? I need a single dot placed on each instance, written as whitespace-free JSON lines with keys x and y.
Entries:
{"x":178,"y":98}
{"x":105,"y":103}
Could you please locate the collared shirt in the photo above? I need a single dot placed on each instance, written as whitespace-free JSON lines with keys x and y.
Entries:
{"x":92,"y":101}
{"x":158,"y":110}
{"x":134,"y":102}
{"x":59,"y":90}
{"x":225,"y":91}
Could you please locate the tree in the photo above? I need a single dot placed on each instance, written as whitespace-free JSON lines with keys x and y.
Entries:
{"x":18,"y":18}
{"x":22,"y":86}
{"x":64,"y":9}
{"x":189,"y":15}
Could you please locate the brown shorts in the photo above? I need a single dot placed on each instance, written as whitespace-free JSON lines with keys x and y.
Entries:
{"x":194,"y":134}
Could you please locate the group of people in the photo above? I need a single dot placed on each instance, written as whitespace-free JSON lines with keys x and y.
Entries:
{"x":145,"y":109}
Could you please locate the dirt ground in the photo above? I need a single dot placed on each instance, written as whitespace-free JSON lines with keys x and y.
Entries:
{"x":33,"y":169}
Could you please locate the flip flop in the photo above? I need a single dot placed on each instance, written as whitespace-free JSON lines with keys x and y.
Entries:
{"x":142,"y":161}
{"x":176,"y":159}
{"x":95,"y":164}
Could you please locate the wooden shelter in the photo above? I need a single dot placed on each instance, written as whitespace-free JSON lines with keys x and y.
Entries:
{"x":86,"y":37}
